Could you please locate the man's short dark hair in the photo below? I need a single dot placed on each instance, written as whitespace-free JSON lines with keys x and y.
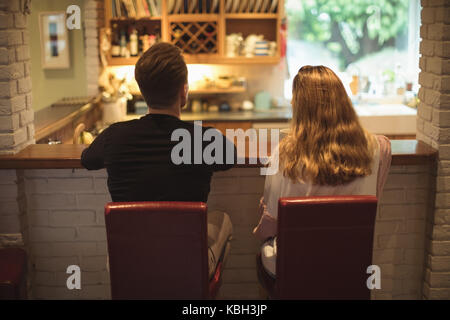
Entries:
{"x":160,"y":73}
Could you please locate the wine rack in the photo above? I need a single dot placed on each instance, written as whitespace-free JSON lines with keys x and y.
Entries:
{"x":195,"y":37}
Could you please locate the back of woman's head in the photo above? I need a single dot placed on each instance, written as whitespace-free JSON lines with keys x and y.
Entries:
{"x":326,"y":144}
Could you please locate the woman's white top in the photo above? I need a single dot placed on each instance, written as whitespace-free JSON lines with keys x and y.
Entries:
{"x":278,"y":186}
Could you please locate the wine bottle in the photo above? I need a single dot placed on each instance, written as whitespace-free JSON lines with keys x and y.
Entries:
{"x":134,"y":45}
{"x":141,"y":40}
{"x":115,"y":45}
{"x":123,"y":43}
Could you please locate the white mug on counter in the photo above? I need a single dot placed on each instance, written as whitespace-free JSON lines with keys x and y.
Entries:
{"x":114,"y":111}
{"x":247,"y":105}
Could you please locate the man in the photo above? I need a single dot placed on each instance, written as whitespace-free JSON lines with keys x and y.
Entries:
{"x":137,"y":153}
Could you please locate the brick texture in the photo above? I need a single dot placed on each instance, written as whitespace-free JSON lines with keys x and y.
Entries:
{"x":15,"y":82}
{"x":66,"y":226}
{"x":93,"y":11}
{"x":434,"y":129}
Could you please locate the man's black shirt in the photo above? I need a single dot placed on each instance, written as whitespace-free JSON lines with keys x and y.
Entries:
{"x":137,"y":156}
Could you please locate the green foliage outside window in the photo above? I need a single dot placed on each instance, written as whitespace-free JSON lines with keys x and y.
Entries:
{"x":349,"y":28}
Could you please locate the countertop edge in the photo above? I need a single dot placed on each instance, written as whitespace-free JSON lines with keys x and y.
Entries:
{"x":41,"y":156}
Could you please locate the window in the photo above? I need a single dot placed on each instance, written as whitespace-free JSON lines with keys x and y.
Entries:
{"x":373,"y":46}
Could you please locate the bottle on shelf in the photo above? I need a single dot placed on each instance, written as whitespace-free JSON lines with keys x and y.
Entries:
{"x":142,"y":38}
{"x":400,"y":82}
{"x":115,"y":45}
{"x":123,"y":43}
{"x":157,"y":34}
{"x":134,"y":45}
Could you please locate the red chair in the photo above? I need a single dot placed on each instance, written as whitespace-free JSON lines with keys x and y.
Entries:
{"x":324,"y":246}
{"x":159,"y":250}
{"x":13,"y":263}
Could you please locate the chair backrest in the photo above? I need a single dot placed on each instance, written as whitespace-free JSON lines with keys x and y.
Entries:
{"x":157,"y":250}
{"x":324,"y":246}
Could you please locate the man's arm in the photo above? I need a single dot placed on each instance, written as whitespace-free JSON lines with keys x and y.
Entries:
{"x":222,"y":159}
{"x":92,"y":157}
{"x":229,"y":152}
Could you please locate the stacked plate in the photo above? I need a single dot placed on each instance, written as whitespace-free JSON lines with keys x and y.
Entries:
{"x":251,"y":6}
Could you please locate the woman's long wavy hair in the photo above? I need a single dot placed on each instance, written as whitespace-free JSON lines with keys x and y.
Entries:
{"x":326,"y":144}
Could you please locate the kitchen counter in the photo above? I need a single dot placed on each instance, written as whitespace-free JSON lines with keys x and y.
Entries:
{"x":271,"y":115}
{"x":58,"y":122}
{"x":393,"y":120}
{"x":404,"y":152}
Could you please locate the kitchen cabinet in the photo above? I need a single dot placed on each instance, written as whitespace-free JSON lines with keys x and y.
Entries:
{"x":202,"y":36}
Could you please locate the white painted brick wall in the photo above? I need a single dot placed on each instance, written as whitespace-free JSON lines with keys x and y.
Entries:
{"x":8,"y":123}
{"x":91,"y":50}
{"x":434,"y":129}
{"x":66,"y":226}
{"x":399,"y":239}
{"x":15,"y":81}
{"x":10,"y":210}
{"x":398,"y":242}
{"x":9,"y":106}
{"x":13,"y":217}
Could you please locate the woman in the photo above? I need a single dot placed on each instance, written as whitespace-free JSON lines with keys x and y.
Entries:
{"x":326,"y":152}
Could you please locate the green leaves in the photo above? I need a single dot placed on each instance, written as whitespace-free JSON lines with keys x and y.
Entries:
{"x":378,"y":20}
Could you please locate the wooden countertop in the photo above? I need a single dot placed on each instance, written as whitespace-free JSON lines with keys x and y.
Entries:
{"x":43,"y":156}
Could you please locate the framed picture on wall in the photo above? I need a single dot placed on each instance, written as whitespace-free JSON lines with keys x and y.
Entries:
{"x":54,"y":40}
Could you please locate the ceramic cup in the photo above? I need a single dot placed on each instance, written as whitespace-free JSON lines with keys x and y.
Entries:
{"x":272,"y":48}
{"x":250,"y":43}
{"x":247,"y":105}
{"x":114,"y":111}
{"x":234,"y":42}
{"x":261,"y":48}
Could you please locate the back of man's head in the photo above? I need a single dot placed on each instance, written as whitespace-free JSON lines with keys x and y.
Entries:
{"x":161,"y":73}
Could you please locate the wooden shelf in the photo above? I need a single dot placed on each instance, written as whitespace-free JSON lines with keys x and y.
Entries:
{"x":122,"y":61}
{"x":252,"y":60}
{"x":216,"y":59}
{"x":251,"y":16}
{"x":208,"y":91}
{"x":217,"y":91}
{"x":192,"y":17}
{"x":225,"y":23}
{"x":156,"y":18}
{"x":203,"y":59}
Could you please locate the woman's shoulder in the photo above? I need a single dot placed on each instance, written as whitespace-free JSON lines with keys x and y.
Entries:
{"x":385,"y":146}
{"x":384,"y":142}
{"x":382,"y":139}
